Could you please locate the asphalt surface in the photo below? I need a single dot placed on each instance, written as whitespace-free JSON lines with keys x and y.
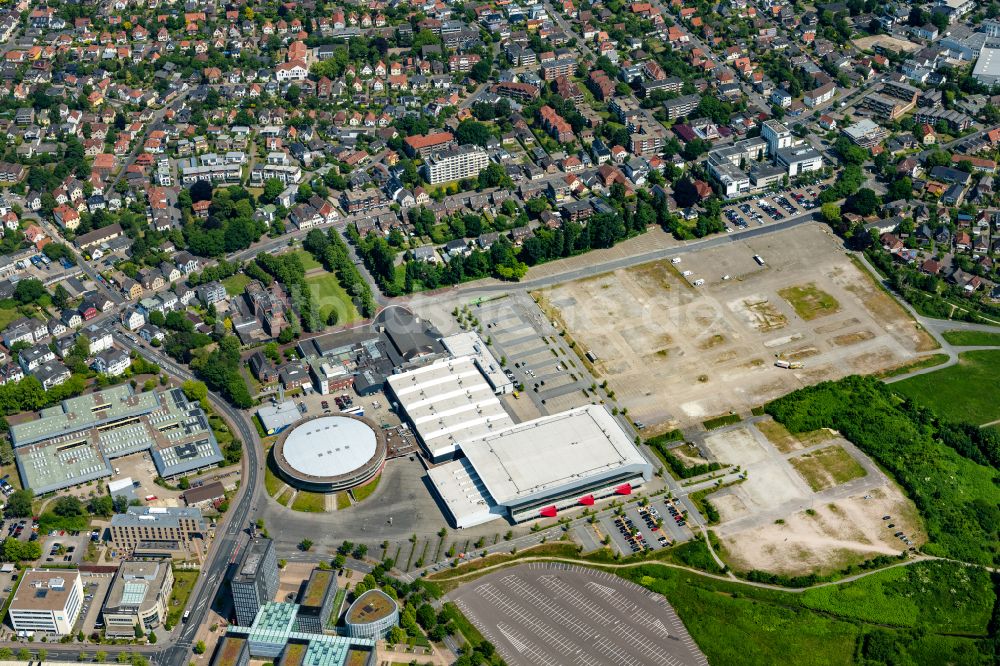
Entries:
{"x":231,"y":531}
{"x":545,"y":614}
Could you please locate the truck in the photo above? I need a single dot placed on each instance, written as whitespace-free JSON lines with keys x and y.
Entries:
{"x":675,"y":260}
{"x":758,"y":259}
{"x":788,"y":365}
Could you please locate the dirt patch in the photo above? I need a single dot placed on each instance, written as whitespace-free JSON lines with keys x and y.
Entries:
{"x":689,"y":455}
{"x":826,"y":329}
{"x":827,"y":467}
{"x":809,"y":301}
{"x":886,"y":310}
{"x":852,"y":338}
{"x":799,"y":354}
{"x":712,"y":341}
{"x":761,"y":314}
{"x":839,"y":533}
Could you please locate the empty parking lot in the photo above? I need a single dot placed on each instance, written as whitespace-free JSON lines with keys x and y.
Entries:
{"x":545,"y":614}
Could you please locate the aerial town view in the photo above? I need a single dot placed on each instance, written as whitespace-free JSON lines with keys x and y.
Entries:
{"x":499,"y":332}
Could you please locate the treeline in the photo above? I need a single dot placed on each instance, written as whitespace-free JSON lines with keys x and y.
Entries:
{"x":219,"y":271}
{"x":288,"y":270}
{"x":948,"y":469}
{"x":28,"y":395}
{"x":220,"y":370}
{"x":877,"y":562}
{"x":331,"y":250}
{"x":503,"y":260}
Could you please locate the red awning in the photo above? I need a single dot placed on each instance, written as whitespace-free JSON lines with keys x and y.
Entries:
{"x":624,"y":489}
{"x":587,"y":500}
{"x":548,"y":512}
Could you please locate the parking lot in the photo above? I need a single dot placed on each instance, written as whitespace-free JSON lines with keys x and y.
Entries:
{"x":761,"y":209}
{"x":536,"y":356}
{"x":95,"y":589}
{"x":545,"y":614}
{"x":660,"y":524}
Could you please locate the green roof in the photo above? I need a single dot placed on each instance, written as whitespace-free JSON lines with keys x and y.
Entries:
{"x":315,"y":592}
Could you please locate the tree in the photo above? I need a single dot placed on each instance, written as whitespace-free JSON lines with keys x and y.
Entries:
{"x":20,"y":551}
{"x":195,"y":390}
{"x":338,"y":561}
{"x":426,"y":617}
{"x":29,"y":291}
{"x":199,"y":647}
{"x":60,"y":297}
{"x":471,"y":131}
{"x":184,"y":483}
{"x":102,"y":505}
{"x":481,"y":71}
{"x":396,"y":636}
{"x":305,"y":545}
{"x":19,"y":503}
{"x":360,"y":551}
{"x":864,"y":202}
{"x":831,"y":213}
{"x":67,"y":506}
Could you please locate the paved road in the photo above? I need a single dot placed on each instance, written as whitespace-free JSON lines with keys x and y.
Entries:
{"x":230,"y":531}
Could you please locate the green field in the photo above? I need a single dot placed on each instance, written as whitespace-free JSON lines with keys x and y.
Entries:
{"x":972,"y":338}
{"x":309,"y":502}
{"x":809,"y":301}
{"x":329,"y":295}
{"x":7,"y":315}
{"x":183,"y":584}
{"x":737,"y":624}
{"x":308,"y":261}
{"x":966,"y":392}
{"x":271,"y":480}
{"x":235,"y":284}
{"x":827,"y":467}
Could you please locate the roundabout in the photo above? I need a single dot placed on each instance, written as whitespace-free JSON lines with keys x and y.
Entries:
{"x":329,"y":454}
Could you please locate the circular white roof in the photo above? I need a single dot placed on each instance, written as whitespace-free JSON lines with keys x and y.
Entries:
{"x":329,"y":446}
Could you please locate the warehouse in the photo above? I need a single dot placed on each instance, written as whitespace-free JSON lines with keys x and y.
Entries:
{"x":447,"y":402}
{"x":538,"y":468}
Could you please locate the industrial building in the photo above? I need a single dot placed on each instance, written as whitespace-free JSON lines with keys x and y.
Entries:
{"x":865,"y":133}
{"x":447,"y":402}
{"x":537,"y":468}
{"x":254,"y":581}
{"x":138,"y":597}
{"x":275,"y":417}
{"x":469,"y":343}
{"x":74,"y":442}
{"x":46,"y":601}
{"x":987,"y":69}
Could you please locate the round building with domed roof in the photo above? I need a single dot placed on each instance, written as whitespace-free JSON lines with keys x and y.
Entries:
{"x":330,"y":453}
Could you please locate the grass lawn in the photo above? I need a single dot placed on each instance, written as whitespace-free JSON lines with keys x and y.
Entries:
{"x":809,"y":301}
{"x":827,"y":467}
{"x":963,"y":392}
{"x":235,"y":284}
{"x":7,"y":315}
{"x":271,"y":480}
{"x":309,"y":502}
{"x":308,"y":261}
{"x":721,"y":421}
{"x":364,"y":491}
{"x":736,"y":624}
{"x":778,"y":435}
{"x":286,"y":495}
{"x":331,"y":296}
{"x":919,"y":364}
{"x":972,"y":338}
{"x":183,"y":584}
{"x":343,"y":501}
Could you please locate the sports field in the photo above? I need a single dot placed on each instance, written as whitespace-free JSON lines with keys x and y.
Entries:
{"x":330,"y":296}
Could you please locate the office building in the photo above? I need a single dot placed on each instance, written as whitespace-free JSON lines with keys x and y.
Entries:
{"x":865,"y":133}
{"x":316,"y":602}
{"x":455,"y":164}
{"x":777,"y":136}
{"x":46,"y":601}
{"x":75,"y":441}
{"x":157,"y":531}
{"x":371,"y":615}
{"x":255,"y":579}
{"x":139,"y":596}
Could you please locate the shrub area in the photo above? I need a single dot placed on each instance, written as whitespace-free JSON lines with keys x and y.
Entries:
{"x":948,"y":469}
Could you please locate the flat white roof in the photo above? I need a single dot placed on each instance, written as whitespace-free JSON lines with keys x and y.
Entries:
{"x":449,"y":401}
{"x":552,"y":452}
{"x":329,"y":446}
{"x":469,"y":343}
{"x":988,"y":63}
{"x":463,"y":493}
{"x":279,"y":415}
